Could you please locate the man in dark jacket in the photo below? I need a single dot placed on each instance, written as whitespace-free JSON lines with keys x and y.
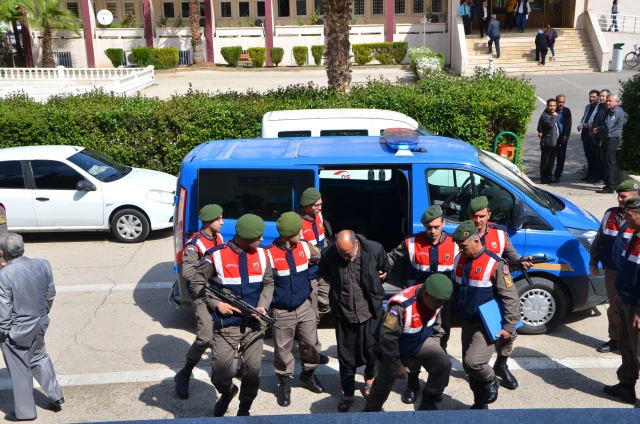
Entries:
{"x":601,"y":114}
{"x":354,"y":267}
{"x":541,"y":47}
{"x":548,"y":134}
{"x":564,"y":127}
{"x":493,"y":32}
{"x":611,"y":134}
{"x":3,"y":226}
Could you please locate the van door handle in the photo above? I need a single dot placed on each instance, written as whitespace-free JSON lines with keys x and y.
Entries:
{"x":42,"y":199}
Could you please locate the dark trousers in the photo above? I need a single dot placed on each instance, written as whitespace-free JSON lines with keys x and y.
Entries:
{"x":509,"y":21}
{"x":356,"y":347}
{"x":204,"y":334}
{"x":547,"y":159}
{"x":483,"y":26}
{"x":608,"y":150}
{"x":541,"y":55}
{"x":561,"y":155}
{"x":466,"y":22}
{"x":593,"y":166}
{"x":629,"y":344}
{"x":497,"y":41}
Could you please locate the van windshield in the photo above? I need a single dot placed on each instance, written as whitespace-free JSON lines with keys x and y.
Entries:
{"x":422,"y":130}
{"x":539,"y":196}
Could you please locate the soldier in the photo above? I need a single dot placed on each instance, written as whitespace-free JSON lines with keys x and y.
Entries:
{"x":194,"y":249}
{"x":627,"y":303}
{"x":613,"y":235}
{"x":243,"y":267}
{"x":408,"y":337}
{"x":481,"y":276}
{"x":290,"y":261}
{"x":495,"y":239}
{"x":426,"y":253}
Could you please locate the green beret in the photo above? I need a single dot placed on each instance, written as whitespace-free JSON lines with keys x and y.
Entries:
{"x":439,"y":286}
{"x":210,"y":213}
{"x":310,"y":196}
{"x":432,"y":213}
{"x":250,"y":227}
{"x":289,"y":224}
{"x":633,"y":203}
{"x":477,"y":204}
{"x":628,"y":185}
{"x":464,"y":231}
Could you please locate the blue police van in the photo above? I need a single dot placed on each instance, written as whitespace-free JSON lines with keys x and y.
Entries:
{"x":379,"y":187}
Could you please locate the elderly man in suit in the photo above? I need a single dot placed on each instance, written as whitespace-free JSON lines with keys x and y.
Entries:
{"x":26,"y":296}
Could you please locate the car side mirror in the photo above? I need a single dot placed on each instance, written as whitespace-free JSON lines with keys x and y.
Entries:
{"x":85,"y":186}
{"x":518,"y":215}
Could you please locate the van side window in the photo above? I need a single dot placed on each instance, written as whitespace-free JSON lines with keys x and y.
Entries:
{"x":343,"y":133}
{"x":453,"y":190}
{"x":266,"y":193}
{"x":286,"y":134}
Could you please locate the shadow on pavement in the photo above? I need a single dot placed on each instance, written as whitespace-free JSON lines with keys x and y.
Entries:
{"x":83,"y":237}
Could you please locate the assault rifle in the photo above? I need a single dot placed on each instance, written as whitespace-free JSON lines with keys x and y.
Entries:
{"x":516,"y":265}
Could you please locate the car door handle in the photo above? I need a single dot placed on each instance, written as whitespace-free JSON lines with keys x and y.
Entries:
{"x":42,"y":199}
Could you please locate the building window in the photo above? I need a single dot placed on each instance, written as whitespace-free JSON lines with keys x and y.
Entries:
{"x":319,"y":6}
{"x":243,"y":9}
{"x":261,"y":11}
{"x":168,"y":10}
{"x":301,"y":7}
{"x":358,"y":7}
{"x":378,"y":7}
{"x":185,"y":10}
{"x":400,"y":7}
{"x":436,"y":6}
{"x":113,"y":8}
{"x":129,"y":8}
{"x":225,"y":9}
{"x":418,"y":7}
{"x":283,"y":9}
{"x":73,"y":8}
{"x":202,"y":11}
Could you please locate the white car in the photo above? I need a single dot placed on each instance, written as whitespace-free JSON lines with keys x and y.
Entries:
{"x":68,"y":188}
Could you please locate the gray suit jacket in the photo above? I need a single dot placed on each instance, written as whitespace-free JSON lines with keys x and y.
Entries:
{"x":493,"y":30}
{"x":548,"y":126}
{"x":26,"y":296}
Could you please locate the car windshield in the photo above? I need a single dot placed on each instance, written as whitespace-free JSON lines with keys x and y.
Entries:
{"x":99,"y":166}
{"x":422,"y":130}
{"x":539,"y":196}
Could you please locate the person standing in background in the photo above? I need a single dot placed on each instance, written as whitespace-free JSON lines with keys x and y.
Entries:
{"x":551,"y":40}
{"x":589,"y":146}
{"x":465,"y":14}
{"x":564,"y":125}
{"x":523,"y":8}
{"x":614,"y":16}
{"x":548,"y":134}
{"x":483,"y":18}
{"x":510,"y":17}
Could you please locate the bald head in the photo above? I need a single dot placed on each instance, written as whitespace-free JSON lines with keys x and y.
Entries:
{"x":347,"y":244}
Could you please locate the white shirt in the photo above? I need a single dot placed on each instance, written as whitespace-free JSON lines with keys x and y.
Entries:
{"x":484,"y":10}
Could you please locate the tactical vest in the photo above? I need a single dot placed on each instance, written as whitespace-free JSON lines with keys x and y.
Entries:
{"x":202,"y":243}
{"x":495,"y":239}
{"x":242,"y":273}
{"x":609,"y":249}
{"x":417,"y":321}
{"x":426,"y":259}
{"x":473,"y":286}
{"x":313,"y":232}
{"x":291,"y":275}
{"x":627,"y":283}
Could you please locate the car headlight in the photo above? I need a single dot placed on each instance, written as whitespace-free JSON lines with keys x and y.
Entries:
{"x":585,"y":237}
{"x":161,"y":196}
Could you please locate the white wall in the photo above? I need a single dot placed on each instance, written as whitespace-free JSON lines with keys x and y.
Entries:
{"x":65,"y":41}
{"x":625,"y":7}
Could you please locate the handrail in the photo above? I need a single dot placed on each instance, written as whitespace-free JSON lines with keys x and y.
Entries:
{"x":629,"y":24}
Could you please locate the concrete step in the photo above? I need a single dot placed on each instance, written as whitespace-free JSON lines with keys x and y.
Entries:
{"x":523,"y":54}
{"x":510,"y":56}
{"x":548,"y":69}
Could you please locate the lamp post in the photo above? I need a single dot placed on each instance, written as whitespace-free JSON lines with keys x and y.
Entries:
{"x":424,"y":22}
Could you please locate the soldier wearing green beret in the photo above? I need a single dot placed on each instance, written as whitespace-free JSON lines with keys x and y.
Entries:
{"x":613,"y":234}
{"x":404,"y":346}
{"x":291,"y":259}
{"x":243,"y":267}
{"x":429,"y":252}
{"x":481,"y":276}
{"x":496,"y":239}
{"x":194,"y":249}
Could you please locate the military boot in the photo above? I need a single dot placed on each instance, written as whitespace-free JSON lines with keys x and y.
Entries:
{"x":284,"y":391}
{"x":413,"y":387}
{"x":243,"y":409}
{"x":223,"y":402}
{"x":624,"y":391}
{"x":478,"y":395}
{"x":182,"y":379}
{"x":311,"y":382}
{"x":491,"y":391}
{"x":428,"y":402}
{"x":502,"y":370}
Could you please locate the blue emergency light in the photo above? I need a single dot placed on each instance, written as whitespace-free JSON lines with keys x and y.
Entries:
{"x":401,"y":139}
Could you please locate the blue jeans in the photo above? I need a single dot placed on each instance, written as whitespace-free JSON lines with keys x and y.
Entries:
{"x":521,"y":21}
{"x":561,"y":155}
{"x":614,"y":23}
{"x":552,"y":46}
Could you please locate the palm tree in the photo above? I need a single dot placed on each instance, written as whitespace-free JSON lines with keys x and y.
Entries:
{"x":196,"y":41}
{"x":49,"y":15}
{"x":338,"y":17}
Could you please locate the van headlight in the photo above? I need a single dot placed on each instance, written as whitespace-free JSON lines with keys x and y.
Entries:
{"x":161,"y":196}
{"x":585,"y":237}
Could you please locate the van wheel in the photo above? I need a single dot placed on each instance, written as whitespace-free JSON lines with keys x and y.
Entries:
{"x":543,"y":305}
{"x":130,"y":226}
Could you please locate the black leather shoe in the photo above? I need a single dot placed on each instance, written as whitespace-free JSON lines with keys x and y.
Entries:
{"x":182,"y":384}
{"x":284,"y":391}
{"x":243,"y":409}
{"x":223,"y":403}
{"x":587,"y":178}
{"x":427,"y":404}
{"x":605,"y":191}
{"x":554,"y":180}
{"x":479,"y":406}
{"x":413,"y":387}
{"x":310,"y":381}
{"x":56,"y":406}
{"x":609,"y":346}
{"x":491,"y":391}
{"x":324,"y":359}
{"x":626,"y":392}
{"x":508,"y":380}
{"x":11,"y":417}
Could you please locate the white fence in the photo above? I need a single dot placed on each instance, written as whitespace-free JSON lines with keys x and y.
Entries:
{"x":623,"y":23}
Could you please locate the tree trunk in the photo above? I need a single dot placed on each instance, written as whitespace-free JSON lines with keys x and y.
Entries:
{"x":19,"y":49}
{"x":338,"y":17}
{"x":47,"y":51}
{"x":196,"y":41}
{"x":26,"y":38}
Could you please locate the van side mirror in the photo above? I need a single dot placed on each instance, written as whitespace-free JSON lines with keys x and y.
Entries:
{"x":518,"y":215}
{"x":85,"y":186}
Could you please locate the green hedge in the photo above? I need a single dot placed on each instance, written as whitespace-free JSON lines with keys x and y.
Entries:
{"x":630,"y":102}
{"x":156,"y":134}
{"x":231,"y":54}
{"x":258,"y":56}
{"x":300,"y":54}
{"x":385,"y":53}
{"x":143,"y":56}
{"x":161,"y":58}
{"x":167,"y":57}
{"x":277,"y":54}
{"x":317,"y":52}
{"x":116,"y":56}
{"x":362,"y":53}
{"x":400,"y":51}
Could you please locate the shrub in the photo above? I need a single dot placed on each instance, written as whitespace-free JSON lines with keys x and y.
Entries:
{"x":400,"y":51}
{"x":425,"y":62}
{"x":276,"y":53}
{"x":383,"y":53}
{"x":231,"y":54}
{"x":317,"y":52}
{"x":116,"y":56}
{"x":630,"y":102}
{"x":166,"y":57}
{"x":144,"y":56}
{"x":258,"y":56}
{"x":362,"y":53}
{"x":300,"y":54}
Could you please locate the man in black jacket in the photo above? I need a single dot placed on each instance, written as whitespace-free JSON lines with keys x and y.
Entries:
{"x":598,"y":120}
{"x":564,"y":127}
{"x":548,"y":134}
{"x":354,"y":267}
{"x":541,"y":47}
{"x":610,"y":132}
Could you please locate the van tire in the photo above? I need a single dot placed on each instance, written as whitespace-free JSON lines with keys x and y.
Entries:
{"x":138,"y":222}
{"x":536,"y":299}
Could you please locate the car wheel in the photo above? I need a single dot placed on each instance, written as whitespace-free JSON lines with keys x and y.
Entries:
{"x":130,"y":226}
{"x":543,"y":305}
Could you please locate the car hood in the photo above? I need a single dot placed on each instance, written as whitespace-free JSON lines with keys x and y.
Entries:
{"x":153,"y":180}
{"x":573,"y":216}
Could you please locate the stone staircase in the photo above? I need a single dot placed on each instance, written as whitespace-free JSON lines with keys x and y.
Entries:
{"x":574,"y":53}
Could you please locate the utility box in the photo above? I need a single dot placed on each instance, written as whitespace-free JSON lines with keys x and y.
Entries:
{"x":618,"y":57}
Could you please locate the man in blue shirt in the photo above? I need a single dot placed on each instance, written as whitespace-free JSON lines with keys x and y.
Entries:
{"x":465,"y":13}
